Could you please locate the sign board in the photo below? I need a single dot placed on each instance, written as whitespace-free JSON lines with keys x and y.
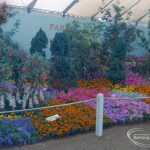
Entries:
{"x":53,"y":118}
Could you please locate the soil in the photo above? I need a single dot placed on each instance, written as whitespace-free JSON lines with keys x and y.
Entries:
{"x":114,"y":138}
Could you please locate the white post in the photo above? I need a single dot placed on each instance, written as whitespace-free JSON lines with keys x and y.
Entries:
{"x":99,"y":114}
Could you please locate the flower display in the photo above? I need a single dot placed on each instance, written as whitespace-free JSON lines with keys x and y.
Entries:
{"x":17,"y":131}
{"x":82,"y":94}
{"x":99,"y":83}
{"x":134,"y":79}
{"x":145,"y":89}
{"x":120,"y":87}
{"x":73,"y":119}
{"x":123,"y":94}
{"x":79,"y":67}
{"x":9,"y":116}
{"x":123,"y":110}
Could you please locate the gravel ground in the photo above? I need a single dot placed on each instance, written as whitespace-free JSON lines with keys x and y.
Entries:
{"x":114,"y":138}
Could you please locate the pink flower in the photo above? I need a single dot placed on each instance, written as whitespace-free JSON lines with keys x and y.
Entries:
{"x":43,"y":76}
{"x":10,"y":52}
{"x":134,"y":79}
{"x":34,"y":62}
{"x":25,"y":69}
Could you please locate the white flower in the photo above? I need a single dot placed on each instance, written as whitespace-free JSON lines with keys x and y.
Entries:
{"x":35,"y":100}
{"x":24,"y":101}
{"x":27,"y":89}
{"x":18,"y":100}
{"x":2,"y":101}
{"x":13,"y":102}
{"x":30,"y":103}
{"x":36,"y":92}
{"x":41,"y":96}
{"x":9,"y":97}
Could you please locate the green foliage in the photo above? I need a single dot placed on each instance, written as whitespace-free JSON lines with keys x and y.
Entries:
{"x":36,"y":69}
{"x":117,"y":72}
{"x":4,"y":14}
{"x":148,"y":47}
{"x":118,"y":39}
{"x":18,"y":66}
{"x":85,"y":52}
{"x":143,"y":68}
{"x":145,"y":40}
{"x":10,"y":62}
{"x":6,"y":65}
{"x":62,"y":71}
{"x":60,"y":45}
{"x":39,"y":42}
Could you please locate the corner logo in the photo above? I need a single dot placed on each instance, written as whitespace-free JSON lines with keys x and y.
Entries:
{"x":139,"y":137}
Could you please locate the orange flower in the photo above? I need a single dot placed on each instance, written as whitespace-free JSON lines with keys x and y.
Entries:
{"x":144,"y":89}
{"x":73,"y":118}
{"x":99,"y":83}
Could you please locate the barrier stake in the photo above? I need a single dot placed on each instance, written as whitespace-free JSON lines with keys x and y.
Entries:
{"x":99,"y":114}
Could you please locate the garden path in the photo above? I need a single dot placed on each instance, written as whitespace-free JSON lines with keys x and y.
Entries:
{"x":114,"y":138}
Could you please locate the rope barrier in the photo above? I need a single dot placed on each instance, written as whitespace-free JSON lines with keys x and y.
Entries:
{"x":73,"y":103}
{"x":40,"y":108}
{"x":117,"y":98}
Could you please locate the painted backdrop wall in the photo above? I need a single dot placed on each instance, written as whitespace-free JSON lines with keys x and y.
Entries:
{"x":31,"y":22}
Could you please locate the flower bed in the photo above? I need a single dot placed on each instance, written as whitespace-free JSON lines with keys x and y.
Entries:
{"x":17,"y":131}
{"x":99,"y":83}
{"x":82,"y":93}
{"x":73,"y":119}
{"x":116,"y":110}
{"x":33,"y":126}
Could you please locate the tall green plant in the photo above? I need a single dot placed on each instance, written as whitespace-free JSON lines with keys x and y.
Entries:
{"x":62,"y":72}
{"x":119,"y":37}
{"x":143,"y":67}
{"x":39,"y":42}
{"x":86,"y":51}
{"x":5,"y":14}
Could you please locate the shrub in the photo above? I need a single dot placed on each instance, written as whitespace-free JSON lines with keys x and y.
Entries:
{"x":36,"y":69}
{"x":118,"y":39}
{"x":39,"y":42}
{"x":62,"y":72}
{"x":88,"y":58}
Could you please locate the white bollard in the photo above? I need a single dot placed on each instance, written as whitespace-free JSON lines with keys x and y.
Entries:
{"x":99,"y":114}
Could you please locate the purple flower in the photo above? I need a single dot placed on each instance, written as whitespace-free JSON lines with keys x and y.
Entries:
{"x":17,"y":131}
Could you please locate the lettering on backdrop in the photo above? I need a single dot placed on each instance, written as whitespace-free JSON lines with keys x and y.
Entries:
{"x":56,"y":27}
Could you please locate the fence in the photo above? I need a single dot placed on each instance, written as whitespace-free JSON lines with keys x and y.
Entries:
{"x":99,"y":110}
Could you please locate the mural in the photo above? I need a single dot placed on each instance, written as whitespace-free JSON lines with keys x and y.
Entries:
{"x":51,"y":23}
{"x":31,"y":22}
